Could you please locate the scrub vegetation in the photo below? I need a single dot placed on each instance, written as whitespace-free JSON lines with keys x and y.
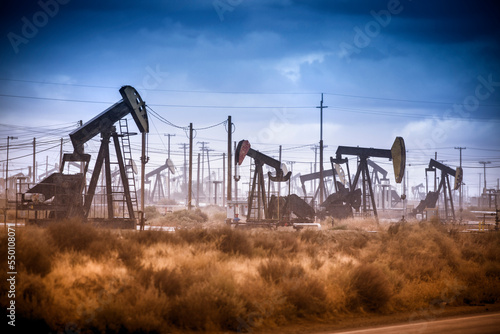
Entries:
{"x":73,"y":277}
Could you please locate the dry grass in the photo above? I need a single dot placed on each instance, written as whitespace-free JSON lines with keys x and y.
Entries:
{"x":75,"y":277}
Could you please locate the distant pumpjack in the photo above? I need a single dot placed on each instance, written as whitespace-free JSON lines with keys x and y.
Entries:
{"x":158,"y":185}
{"x":352,"y":195}
{"x":444,"y":184}
{"x":276,"y":211}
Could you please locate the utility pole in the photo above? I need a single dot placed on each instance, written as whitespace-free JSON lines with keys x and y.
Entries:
{"x":435,"y":176}
{"x":209,"y":178}
{"x":34,"y":160}
{"x":223,"y":179}
{"x":229,"y":157}
{"x":236,"y":177}
{"x":315,"y":149}
{"x":144,"y":160}
{"x":61,"y":155}
{"x":484,"y":163}
{"x":279,"y":185}
{"x":190,"y":186}
{"x":7,"y":182}
{"x":168,"y":171}
{"x":198,"y":183}
{"x":291,"y":169}
{"x":479,"y":187}
{"x":184,"y":147}
{"x":460,"y":189}
{"x":321,"y":184}
{"x":203,"y":148}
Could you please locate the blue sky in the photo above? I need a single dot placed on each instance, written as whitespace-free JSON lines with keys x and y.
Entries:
{"x":427,"y":72}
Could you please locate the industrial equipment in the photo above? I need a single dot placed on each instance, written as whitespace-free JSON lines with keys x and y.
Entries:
{"x":350,"y":197}
{"x":314,"y":176}
{"x":444,"y":184}
{"x":382,"y":184}
{"x":67,"y":194}
{"x":158,"y":185}
{"x":266,"y":210}
{"x":417,"y":191}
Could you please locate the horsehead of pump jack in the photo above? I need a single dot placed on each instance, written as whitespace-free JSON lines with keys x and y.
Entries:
{"x":131,"y":103}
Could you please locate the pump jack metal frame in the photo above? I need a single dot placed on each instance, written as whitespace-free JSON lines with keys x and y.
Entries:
{"x":258,"y":188}
{"x":397,"y":154}
{"x":444,"y":184}
{"x":65,"y":191}
{"x":277,"y":210}
{"x":158,"y":185}
{"x":313,"y":176}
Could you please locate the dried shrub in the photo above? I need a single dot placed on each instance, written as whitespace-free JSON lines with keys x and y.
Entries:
{"x":218,"y":216}
{"x":209,"y":305}
{"x":421,"y":252}
{"x":151,"y":237}
{"x":267,"y":242}
{"x":307,"y":295}
{"x":277,"y":270}
{"x":189,"y":216}
{"x":72,"y":235}
{"x":33,"y":251}
{"x":195,"y":235}
{"x":34,"y":305}
{"x":351,"y":243}
{"x":288,"y":242}
{"x":132,"y":309}
{"x":103,"y":244}
{"x":492,"y":269}
{"x":169,"y":282}
{"x":130,"y":254}
{"x":231,"y":241}
{"x":277,"y":244}
{"x":150,"y":212}
{"x":312,"y":236}
{"x":370,"y":288}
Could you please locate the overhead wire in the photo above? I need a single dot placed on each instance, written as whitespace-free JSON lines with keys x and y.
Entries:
{"x":247,"y":92}
{"x":31,"y":154}
{"x":352,"y":110}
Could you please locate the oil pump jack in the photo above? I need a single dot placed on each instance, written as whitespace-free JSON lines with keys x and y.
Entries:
{"x":158,"y":186}
{"x":444,"y":184}
{"x":66,"y":194}
{"x":340,"y":204}
{"x":272,"y":211}
{"x":314,"y":176}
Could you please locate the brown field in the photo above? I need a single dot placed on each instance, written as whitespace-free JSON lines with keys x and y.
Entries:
{"x":74,"y":278}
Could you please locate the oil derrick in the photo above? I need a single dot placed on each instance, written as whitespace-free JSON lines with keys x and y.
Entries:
{"x":312,"y":177}
{"x":271,"y":210}
{"x":432,"y":197}
{"x":337,"y":205}
{"x":157,"y":193}
{"x":63,"y":194}
{"x":382,"y":187}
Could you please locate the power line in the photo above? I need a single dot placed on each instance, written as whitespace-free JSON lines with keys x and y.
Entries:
{"x":53,"y":99}
{"x":248,"y":93}
{"x":404,"y":100}
{"x":28,"y":155}
{"x":353,"y":110}
{"x":164,"y":120}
